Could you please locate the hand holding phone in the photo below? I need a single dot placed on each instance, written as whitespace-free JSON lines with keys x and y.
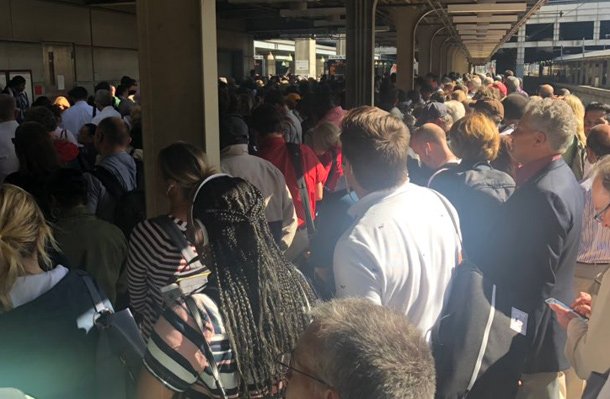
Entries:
{"x":566,"y":308}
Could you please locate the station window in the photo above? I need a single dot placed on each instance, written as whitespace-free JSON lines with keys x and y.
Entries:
{"x":576,"y":30}
{"x":604,"y":30}
{"x":538,"y":32}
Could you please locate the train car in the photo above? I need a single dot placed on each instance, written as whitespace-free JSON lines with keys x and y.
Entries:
{"x":589,"y":69}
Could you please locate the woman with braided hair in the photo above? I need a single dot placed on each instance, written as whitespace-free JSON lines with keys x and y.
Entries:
{"x":252,"y":310}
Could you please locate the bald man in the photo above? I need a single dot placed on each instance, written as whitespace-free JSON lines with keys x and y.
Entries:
{"x":430,"y":142}
{"x":546,"y":91}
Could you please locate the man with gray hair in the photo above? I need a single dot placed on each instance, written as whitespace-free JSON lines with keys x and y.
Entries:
{"x":533,"y":250}
{"x":104,"y":103}
{"x":513,"y":85}
{"x":355,"y":349}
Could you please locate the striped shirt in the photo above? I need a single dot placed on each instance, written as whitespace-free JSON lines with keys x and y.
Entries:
{"x":175,"y":356}
{"x":152,"y":263}
{"x":594,"y":239}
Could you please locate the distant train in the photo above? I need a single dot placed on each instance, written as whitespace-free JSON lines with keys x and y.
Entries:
{"x":589,"y":69}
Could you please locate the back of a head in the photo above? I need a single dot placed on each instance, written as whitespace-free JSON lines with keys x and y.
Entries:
{"x":34,"y":149}
{"x":266,"y":119}
{"x":512,"y":84}
{"x":185,"y":164}
{"x":595,"y":106}
{"x":376,"y":144}
{"x":546,"y":91}
{"x":456,"y":109}
{"x":475,"y":138}
{"x":102,"y":86}
{"x":275,"y":97}
{"x":252,"y":276}
{"x":459,"y":95}
{"x":114,"y":132}
{"x":396,"y":364}
{"x":430,"y":132}
{"x":103,"y":98}
{"x":7,"y":108}
{"x":68,"y":188}
{"x":554,"y":118}
{"x":579,"y":114}
{"x":514,"y":106}
{"x":491,"y":107}
{"x":233,"y":130}
{"x":78,"y":93}
{"x":325,"y":136}
{"x":24,"y":232}
{"x":598,"y":140}
{"x":42,"y":115}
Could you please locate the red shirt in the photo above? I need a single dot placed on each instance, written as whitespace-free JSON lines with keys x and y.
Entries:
{"x":274,"y":150}
{"x":327,"y":161}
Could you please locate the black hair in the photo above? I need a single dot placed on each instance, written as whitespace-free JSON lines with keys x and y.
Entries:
{"x":595,"y":106}
{"x":34,"y":149}
{"x":90,"y":129}
{"x":266,"y":119}
{"x":78,"y":93}
{"x":42,"y":101}
{"x":102,"y":86}
{"x":599,"y":142}
{"x":16,"y":81}
{"x":69,"y":188}
{"x":42,"y":115}
{"x":127,"y":81}
{"x":275,"y":97}
{"x":263,"y":298}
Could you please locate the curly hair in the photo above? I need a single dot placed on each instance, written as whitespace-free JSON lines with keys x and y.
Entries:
{"x":264,"y":299}
{"x":475,"y":138}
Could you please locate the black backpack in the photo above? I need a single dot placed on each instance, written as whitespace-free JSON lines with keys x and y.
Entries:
{"x":477,"y":352}
{"x":129,"y":206}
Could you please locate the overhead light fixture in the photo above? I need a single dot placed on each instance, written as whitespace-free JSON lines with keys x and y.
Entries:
{"x":486,"y":7}
{"x":312,"y":12}
{"x":465,"y":19}
{"x":483,"y":27}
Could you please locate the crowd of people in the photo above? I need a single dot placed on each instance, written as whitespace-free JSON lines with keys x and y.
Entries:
{"x":317,"y":259}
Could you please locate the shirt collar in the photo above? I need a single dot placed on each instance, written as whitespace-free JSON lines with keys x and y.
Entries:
{"x":235,"y":149}
{"x":358,"y":210}
{"x":531,"y":169}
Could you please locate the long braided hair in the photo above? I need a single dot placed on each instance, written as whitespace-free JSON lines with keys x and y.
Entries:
{"x":263,"y":298}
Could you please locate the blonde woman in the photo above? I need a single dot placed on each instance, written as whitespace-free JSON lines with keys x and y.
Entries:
{"x":326,"y":145}
{"x":576,"y":155}
{"x":47,"y":345}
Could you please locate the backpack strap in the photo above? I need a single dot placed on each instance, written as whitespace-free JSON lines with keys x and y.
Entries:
{"x":109,"y":181}
{"x":94,"y":294}
{"x":296,"y":155}
{"x":178,"y":239}
{"x":194,"y":312}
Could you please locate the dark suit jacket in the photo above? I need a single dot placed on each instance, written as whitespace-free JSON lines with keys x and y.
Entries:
{"x":532,"y":255}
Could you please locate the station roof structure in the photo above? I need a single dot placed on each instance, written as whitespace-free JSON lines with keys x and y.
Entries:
{"x":479,"y":27}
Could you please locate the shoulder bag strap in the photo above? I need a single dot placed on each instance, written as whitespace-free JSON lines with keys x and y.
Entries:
{"x":194,"y":312}
{"x":109,"y":181}
{"x":98,"y":303}
{"x":296,"y":156}
{"x":178,"y":239}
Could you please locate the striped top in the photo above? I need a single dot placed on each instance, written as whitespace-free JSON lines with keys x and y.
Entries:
{"x":152,"y":262}
{"x":176,"y":357}
{"x":594,"y":239}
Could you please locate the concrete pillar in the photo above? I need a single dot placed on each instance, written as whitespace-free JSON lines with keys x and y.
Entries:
{"x":423,"y":36}
{"x":341,"y":45}
{"x":177,"y":60}
{"x":519,"y":68}
{"x":270,"y":63}
{"x":360,"y":51}
{"x":596,"y":30}
{"x":405,"y":20}
{"x":305,"y":57}
{"x":460,"y":63}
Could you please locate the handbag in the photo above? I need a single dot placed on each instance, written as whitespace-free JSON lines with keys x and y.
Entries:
{"x":120,"y":347}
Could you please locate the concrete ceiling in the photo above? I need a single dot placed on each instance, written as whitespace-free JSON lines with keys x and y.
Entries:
{"x":479,"y":27}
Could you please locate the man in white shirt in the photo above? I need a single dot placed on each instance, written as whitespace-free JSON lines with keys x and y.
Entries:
{"x":235,"y":160}
{"x":79,"y":114}
{"x":403,"y":246}
{"x":8,"y":159}
{"x":104,"y":102}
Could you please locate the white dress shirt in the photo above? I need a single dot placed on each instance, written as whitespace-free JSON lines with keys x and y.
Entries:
{"x":400,"y":252}
{"x":269,"y":180}
{"x":8,"y":159}
{"x":75,"y":117}
{"x":107,"y":112}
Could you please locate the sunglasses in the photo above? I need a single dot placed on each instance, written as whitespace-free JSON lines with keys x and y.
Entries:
{"x":599,"y":215}
{"x":286,"y":361}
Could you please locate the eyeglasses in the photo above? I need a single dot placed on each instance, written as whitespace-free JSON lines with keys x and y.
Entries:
{"x":285,"y":361}
{"x":599,"y":215}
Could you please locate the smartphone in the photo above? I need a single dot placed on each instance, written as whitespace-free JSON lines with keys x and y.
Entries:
{"x":553,"y":301}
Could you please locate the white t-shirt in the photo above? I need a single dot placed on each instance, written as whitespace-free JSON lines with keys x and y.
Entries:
{"x":75,"y":117}
{"x":107,"y":112}
{"x":400,"y":252}
{"x":28,"y":288}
